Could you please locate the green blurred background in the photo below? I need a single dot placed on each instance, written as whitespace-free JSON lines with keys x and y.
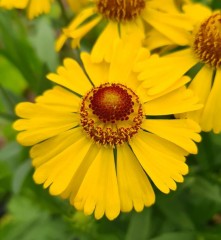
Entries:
{"x":27,"y":212}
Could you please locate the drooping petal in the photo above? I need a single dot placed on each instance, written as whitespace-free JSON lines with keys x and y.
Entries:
{"x":201,"y":86}
{"x":134,"y":187}
{"x":211,"y":118}
{"x":99,"y":189}
{"x":58,"y":171}
{"x":164,"y":166}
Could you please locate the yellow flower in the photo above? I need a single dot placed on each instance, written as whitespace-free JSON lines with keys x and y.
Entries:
{"x":34,"y":7}
{"x":120,"y":18}
{"x":97,"y":136}
{"x":202,"y":50}
{"x":78,"y":5}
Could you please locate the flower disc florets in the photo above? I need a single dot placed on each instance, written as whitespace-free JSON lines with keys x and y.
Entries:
{"x":111,"y":114}
{"x":207,"y":41}
{"x":120,"y":10}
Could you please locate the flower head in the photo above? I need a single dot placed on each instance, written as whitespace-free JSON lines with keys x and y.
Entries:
{"x":98,"y":137}
{"x":34,"y":7}
{"x":120,"y":19}
{"x":202,"y":49}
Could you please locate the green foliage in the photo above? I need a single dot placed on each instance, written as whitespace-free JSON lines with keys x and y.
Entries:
{"x":28,"y":212}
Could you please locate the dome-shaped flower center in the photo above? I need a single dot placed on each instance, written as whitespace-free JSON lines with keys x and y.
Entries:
{"x":111,"y":103}
{"x":120,"y":10}
{"x":111,"y":114}
{"x":207,"y":41}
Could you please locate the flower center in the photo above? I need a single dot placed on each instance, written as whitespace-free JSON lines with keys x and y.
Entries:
{"x":111,"y":103}
{"x":120,"y":10}
{"x":207,"y":41}
{"x":111,"y":114}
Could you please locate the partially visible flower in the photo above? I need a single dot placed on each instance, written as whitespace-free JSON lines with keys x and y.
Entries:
{"x":97,"y":137}
{"x":202,"y":50}
{"x":34,"y":7}
{"x":120,"y":18}
{"x":77,"y":5}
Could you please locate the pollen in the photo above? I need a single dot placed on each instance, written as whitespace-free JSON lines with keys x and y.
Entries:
{"x":120,"y":10}
{"x":111,"y":114}
{"x":207,"y":41}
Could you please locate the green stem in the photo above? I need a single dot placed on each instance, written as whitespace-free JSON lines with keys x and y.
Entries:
{"x":63,"y":11}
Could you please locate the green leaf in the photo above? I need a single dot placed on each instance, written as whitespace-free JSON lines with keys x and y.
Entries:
{"x":30,"y":222}
{"x":207,"y":190}
{"x":176,"y":236}
{"x":10,"y":77}
{"x":20,"y":175}
{"x":173,"y":209}
{"x":4,"y":170}
{"x":43,"y":41}
{"x":17,"y":50}
{"x":11,"y":151}
{"x":140,"y":225}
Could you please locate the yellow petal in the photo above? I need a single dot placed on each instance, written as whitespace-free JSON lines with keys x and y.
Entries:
{"x":78,"y":20}
{"x":99,"y":188}
{"x":134,"y":187}
{"x":161,"y":165}
{"x":98,"y":73}
{"x":76,"y":163}
{"x":196,"y":12}
{"x":59,"y":97}
{"x":72,"y":77}
{"x":160,"y":73}
{"x":124,"y":55}
{"x":104,"y":45}
{"x":82,"y":30}
{"x":40,"y":154}
{"x":201,"y":86}
{"x":142,"y":90}
{"x":211,"y":118}
{"x":181,"y":132}
{"x":173,"y":26}
{"x":14,"y":4}
{"x":59,"y":170}
{"x":177,"y":101}
{"x":42,"y":122}
{"x":170,"y":5}
{"x":35,"y":7}
{"x":155,"y":40}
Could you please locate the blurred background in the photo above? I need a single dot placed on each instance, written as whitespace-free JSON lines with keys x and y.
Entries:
{"x":28,"y":212}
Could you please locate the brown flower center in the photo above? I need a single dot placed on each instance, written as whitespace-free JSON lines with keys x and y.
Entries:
{"x":111,"y":114}
{"x":120,"y":10}
{"x":207,"y":41}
